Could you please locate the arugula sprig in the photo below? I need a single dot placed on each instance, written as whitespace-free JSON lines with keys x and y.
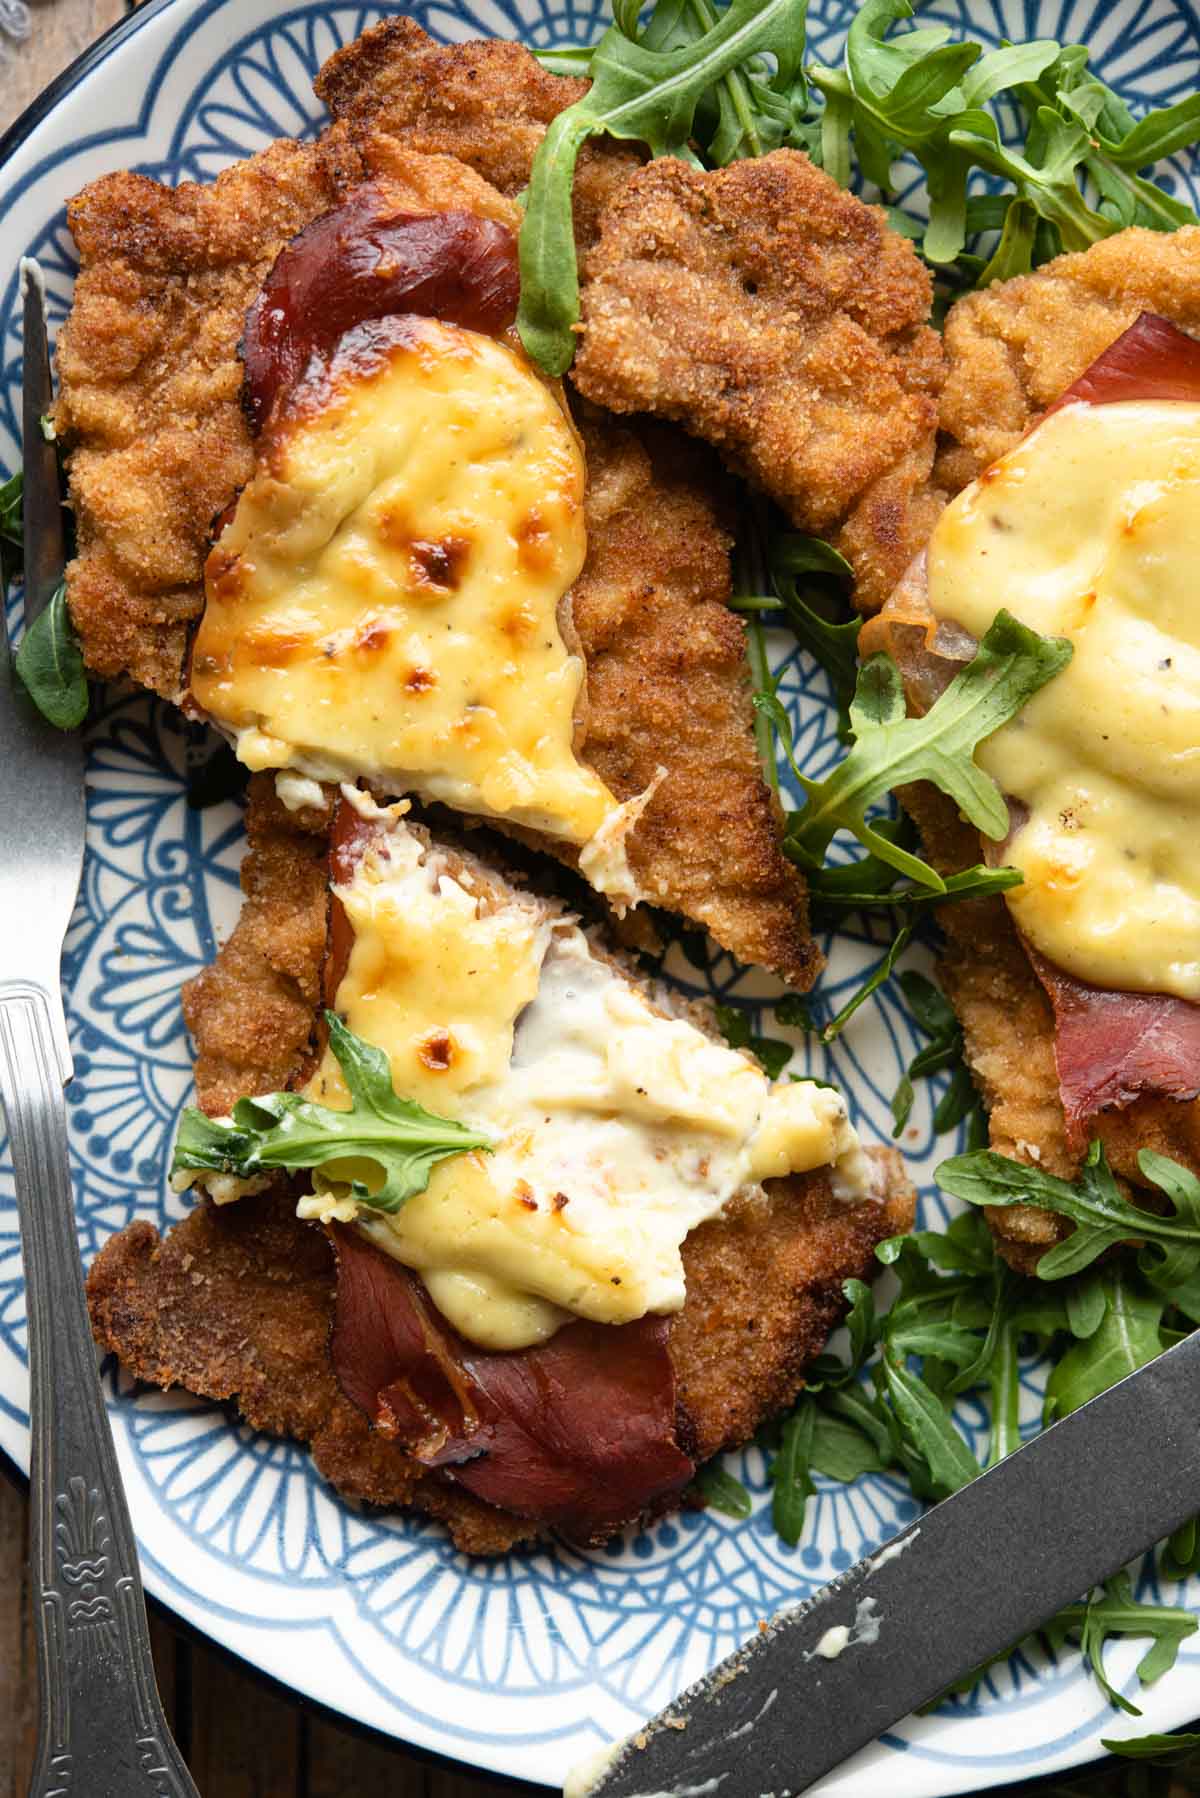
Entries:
{"x":936,"y":1016}
{"x":284,"y":1130}
{"x":649,"y":94}
{"x":921,"y":93}
{"x":1102,"y":1216}
{"x":891,"y":749}
{"x":771,"y":1052}
{"x":1113,"y":1610}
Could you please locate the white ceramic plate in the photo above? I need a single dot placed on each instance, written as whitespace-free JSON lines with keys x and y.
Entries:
{"x":525,"y":1664}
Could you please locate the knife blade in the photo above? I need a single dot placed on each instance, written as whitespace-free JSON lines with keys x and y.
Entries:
{"x":966,"y":1581}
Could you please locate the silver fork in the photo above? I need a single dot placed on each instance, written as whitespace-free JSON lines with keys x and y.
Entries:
{"x":102,"y":1729}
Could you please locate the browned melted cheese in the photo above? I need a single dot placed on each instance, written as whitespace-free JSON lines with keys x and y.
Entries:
{"x":385,"y":601}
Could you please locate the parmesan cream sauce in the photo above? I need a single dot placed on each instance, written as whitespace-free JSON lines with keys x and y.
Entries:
{"x":616,"y":1130}
{"x":1090,"y":529}
{"x":385,"y":600}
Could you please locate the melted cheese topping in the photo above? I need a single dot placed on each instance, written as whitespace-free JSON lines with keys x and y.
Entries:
{"x":385,"y":600}
{"x":1090,"y":529}
{"x":616,"y":1130}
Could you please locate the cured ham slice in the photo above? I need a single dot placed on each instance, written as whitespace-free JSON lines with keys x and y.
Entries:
{"x":577,"y":1433}
{"x":1152,"y":360}
{"x":1110,"y":1048}
{"x":365,"y":261}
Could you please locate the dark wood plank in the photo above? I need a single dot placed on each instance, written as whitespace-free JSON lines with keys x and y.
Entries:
{"x":339,"y":1761}
{"x":60,"y":32}
{"x":242,"y":1737}
{"x":18,"y":1668}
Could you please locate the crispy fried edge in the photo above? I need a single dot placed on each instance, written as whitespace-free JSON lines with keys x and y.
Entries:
{"x":770,"y":218}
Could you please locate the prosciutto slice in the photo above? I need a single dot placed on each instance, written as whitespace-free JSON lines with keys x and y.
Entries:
{"x":1111,"y":1048}
{"x":362,"y":262}
{"x":577,"y":1433}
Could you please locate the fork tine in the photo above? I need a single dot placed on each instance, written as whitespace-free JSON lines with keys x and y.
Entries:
{"x":42,"y":501}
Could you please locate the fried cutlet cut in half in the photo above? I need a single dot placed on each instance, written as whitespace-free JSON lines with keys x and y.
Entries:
{"x":152,"y":409}
{"x":1013,"y":350}
{"x":487,"y":101}
{"x":778,"y":317}
{"x":321,"y":1336}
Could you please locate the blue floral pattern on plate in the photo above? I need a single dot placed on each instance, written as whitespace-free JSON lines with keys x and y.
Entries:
{"x":520,"y":1665}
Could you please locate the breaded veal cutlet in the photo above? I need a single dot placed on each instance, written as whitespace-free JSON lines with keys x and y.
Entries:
{"x":236,"y":1302}
{"x":158,"y":445}
{"x":776,"y":316}
{"x":1013,"y":349}
{"x":488,"y":102}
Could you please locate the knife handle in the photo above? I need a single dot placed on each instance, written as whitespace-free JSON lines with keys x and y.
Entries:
{"x":102,"y":1730}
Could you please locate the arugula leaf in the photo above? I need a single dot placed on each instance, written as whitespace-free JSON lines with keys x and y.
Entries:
{"x":1128,"y":1335}
{"x":11,"y":539}
{"x":721,"y":1492}
{"x":842,"y":1449}
{"x":649,"y":95}
{"x":1181,"y":1554}
{"x":771,"y":1052}
{"x":931,"y":1444}
{"x":50,"y":664}
{"x":891,"y":750}
{"x":863,"y":1327}
{"x":790,"y":1474}
{"x":935,"y":1015}
{"x":1113,"y":1610}
{"x":285,"y":1130}
{"x":879,"y":975}
{"x":1164,"y":1751}
{"x":1102,"y":1217}
{"x":869,"y":884}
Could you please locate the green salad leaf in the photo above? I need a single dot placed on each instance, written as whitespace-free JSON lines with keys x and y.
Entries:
{"x":50,"y":664}
{"x":1112,"y":1610}
{"x":1164,"y":1751}
{"x":650,"y":95}
{"x":891,"y":749}
{"x":771,"y":1052}
{"x":1102,"y":1216}
{"x":402,"y":1140}
{"x":1128,"y":1333}
{"x":722,"y":1492}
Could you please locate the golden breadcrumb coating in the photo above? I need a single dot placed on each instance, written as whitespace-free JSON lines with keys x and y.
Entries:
{"x":771,"y":313}
{"x":1017,"y":346}
{"x":236,"y":1302}
{"x":487,"y":102}
{"x":668,"y":688}
{"x":150,"y":390}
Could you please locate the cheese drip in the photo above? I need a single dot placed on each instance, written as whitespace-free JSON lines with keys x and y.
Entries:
{"x":384,"y":601}
{"x":616,"y":1130}
{"x":1090,"y":529}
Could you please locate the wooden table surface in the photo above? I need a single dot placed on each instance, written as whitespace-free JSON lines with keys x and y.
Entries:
{"x":243,"y":1737}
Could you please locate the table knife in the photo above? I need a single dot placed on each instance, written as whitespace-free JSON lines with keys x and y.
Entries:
{"x":969,"y":1579}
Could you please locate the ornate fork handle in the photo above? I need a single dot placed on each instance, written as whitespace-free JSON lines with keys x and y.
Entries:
{"x":103,"y":1733}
